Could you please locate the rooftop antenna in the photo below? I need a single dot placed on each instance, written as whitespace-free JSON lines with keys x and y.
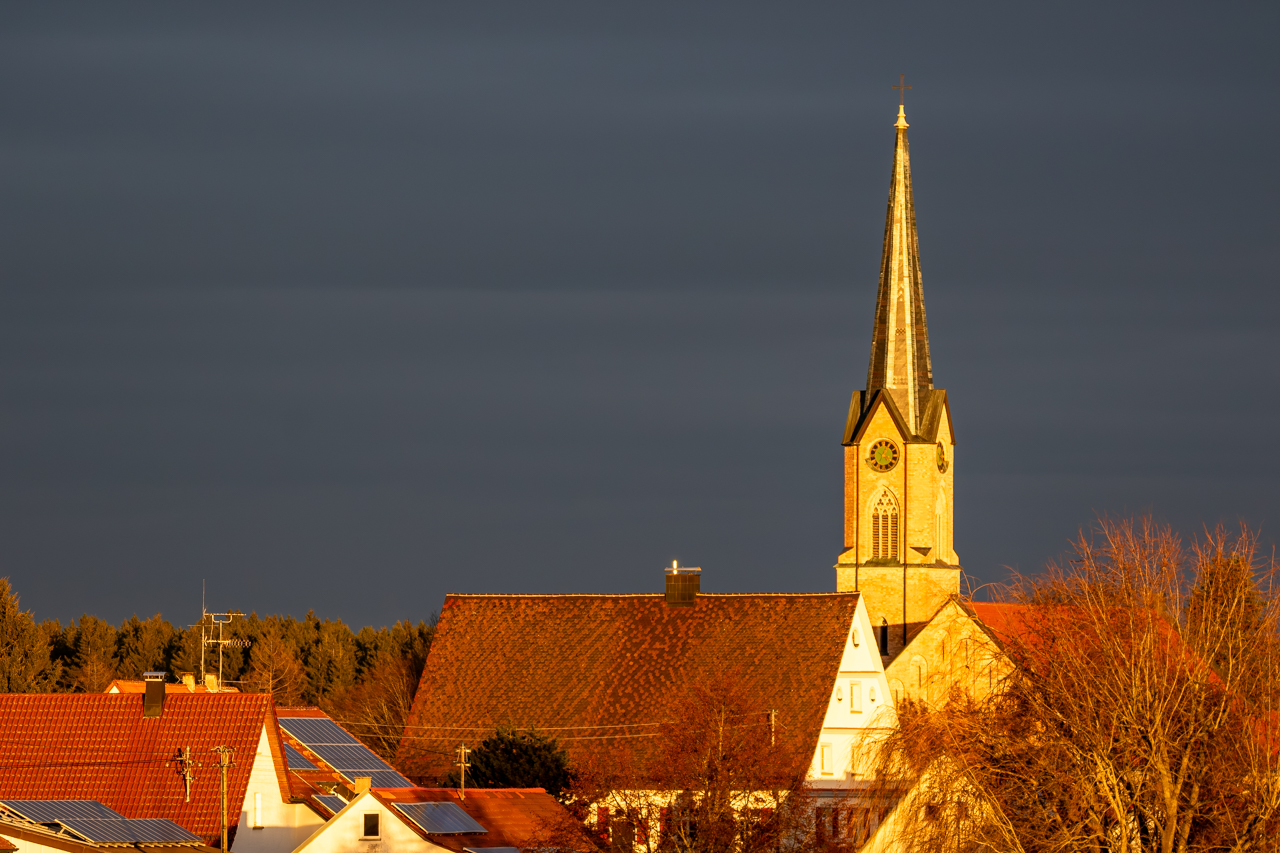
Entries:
{"x":207,"y":621}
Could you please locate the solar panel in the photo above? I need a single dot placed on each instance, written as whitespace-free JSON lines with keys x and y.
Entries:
{"x":56,"y":811}
{"x":95,"y":822}
{"x":311,"y":730}
{"x":153,"y":830}
{"x":331,"y":802}
{"x":296,"y":760}
{"x":343,"y":752}
{"x":440,"y":818}
{"x":387,"y":779}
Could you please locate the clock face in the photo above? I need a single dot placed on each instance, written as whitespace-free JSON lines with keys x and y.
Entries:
{"x":942,"y":458}
{"x":883,"y":456}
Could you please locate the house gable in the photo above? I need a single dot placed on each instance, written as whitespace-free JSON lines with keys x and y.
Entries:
{"x":858,"y":700}
{"x":954,"y":650}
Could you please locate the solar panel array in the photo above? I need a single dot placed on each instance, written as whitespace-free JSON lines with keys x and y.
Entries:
{"x":56,"y":811}
{"x":332,"y":802}
{"x":342,"y":752}
{"x":440,"y":818}
{"x":153,"y":830}
{"x":95,"y":822}
{"x":296,"y":760}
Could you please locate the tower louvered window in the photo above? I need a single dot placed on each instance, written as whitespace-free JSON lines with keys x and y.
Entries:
{"x":884,"y":528}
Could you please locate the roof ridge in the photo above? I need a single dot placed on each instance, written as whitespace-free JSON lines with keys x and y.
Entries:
{"x":644,"y":594}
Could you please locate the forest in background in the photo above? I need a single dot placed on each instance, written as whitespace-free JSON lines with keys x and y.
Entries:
{"x":364,"y":679}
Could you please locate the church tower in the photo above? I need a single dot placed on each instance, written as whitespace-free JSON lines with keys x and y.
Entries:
{"x":899,"y":449}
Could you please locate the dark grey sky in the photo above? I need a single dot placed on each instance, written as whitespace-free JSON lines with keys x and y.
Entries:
{"x":346,"y":308}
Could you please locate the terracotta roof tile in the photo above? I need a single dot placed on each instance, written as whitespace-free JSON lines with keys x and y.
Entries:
{"x":570,"y":665}
{"x":98,"y":746}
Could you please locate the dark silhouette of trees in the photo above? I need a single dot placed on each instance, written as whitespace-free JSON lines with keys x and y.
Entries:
{"x":366,"y":680}
{"x":25,"y":665}
{"x":274,"y":668}
{"x":93,"y":666}
{"x":143,"y":645}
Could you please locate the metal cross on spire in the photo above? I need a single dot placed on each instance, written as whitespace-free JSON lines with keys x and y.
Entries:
{"x":902,"y":88}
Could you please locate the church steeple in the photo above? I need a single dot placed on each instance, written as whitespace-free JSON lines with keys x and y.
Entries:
{"x":899,"y":448}
{"x":900,"y":338}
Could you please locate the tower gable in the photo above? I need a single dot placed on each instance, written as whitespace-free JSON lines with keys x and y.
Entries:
{"x":879,"y":404}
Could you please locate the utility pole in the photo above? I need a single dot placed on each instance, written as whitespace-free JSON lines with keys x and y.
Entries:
{"x":185,"y":770}
{"x":224,"y":762}
{"x":463,"y":764}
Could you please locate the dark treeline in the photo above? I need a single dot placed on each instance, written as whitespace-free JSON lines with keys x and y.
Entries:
{"x":365,"y":679}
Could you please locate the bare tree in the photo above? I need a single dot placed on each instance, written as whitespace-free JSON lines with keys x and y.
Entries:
{"x":274,"y":668}
{"x":1138,"y":712}
{"x":713,"y":777}
{"x":375,"y":710}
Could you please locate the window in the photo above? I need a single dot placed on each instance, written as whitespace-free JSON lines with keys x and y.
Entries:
{"x":855,"y":697}
{"x":371,"y":828}
{"x":942,"y":537}
{"x":884,"y":528}
{"x":921,"y":670}
{"x":257,"y":810}
{"x":860,"y":826}
{"x":884,"y":636}
{"x":824,"y":758}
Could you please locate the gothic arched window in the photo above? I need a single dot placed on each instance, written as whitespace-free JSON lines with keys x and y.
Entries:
{"x":941,"y":533}
{"x":884,"y":636}
{"x":884,"y":527}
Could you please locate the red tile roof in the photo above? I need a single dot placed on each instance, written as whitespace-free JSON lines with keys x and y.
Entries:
{"x":98,"y":746}
{"x":569,"y":665}
{"x":527,"y":818}
{"x":1004,"y":620}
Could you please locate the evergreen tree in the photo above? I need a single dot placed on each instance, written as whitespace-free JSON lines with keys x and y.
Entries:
{"x":331,"y":661}
{"x":95,"y":655}
{"x":518,"y":759}
{"x":25,"y":666}
{"x":144,"y":645}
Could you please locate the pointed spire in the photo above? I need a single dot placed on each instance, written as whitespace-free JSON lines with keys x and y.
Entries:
{"x":900,"y":339}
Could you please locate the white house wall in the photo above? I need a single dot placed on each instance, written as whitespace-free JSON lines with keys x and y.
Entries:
{"x":845,"y":732}
{"x":27,"y":846}
{"x":284,"y":825}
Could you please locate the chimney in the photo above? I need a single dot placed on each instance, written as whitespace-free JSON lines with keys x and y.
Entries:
{"x":210,"y":682}
{"x":153,"y":699}
{"x":188,"y":680}
{"x":361,"y":784}
{"x":683,"y":585}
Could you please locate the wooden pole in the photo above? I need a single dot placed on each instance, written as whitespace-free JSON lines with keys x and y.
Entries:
{"x":224,"y":763}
